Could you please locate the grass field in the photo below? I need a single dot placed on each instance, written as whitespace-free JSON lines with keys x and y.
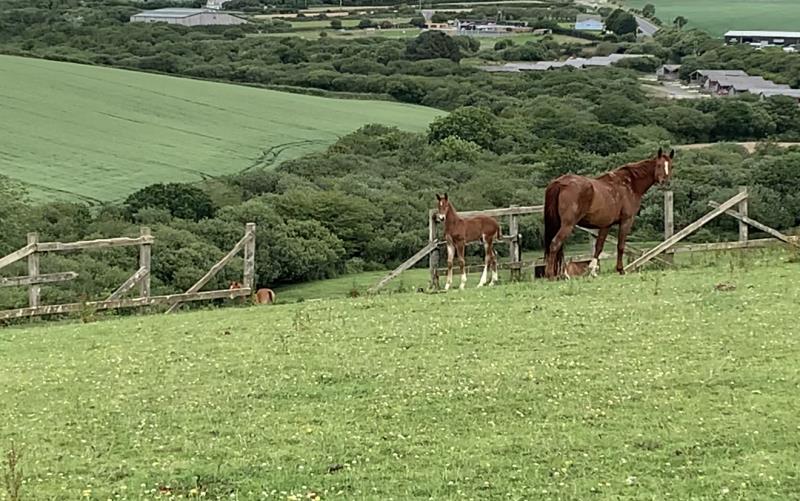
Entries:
{"x":719,"y":16}
{"x":649,"y":386}
{"x":95,"y":133}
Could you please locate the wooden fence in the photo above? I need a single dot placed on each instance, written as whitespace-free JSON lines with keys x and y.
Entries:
{"x":140,"y":278}
{"x":662,"y":253}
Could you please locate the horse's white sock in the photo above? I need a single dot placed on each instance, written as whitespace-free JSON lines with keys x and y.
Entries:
{"x":593,"y":266}
{"x":483,"y":276}
{"x":463,"y":280}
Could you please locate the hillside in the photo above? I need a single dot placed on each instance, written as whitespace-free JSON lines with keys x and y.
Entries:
{"x":654,"y":385}
{"x":96,"y":133}
{"x":719,"y":16}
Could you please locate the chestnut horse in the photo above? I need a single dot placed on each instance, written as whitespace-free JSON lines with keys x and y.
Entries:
{"x":262,"y":296}
{"x":460,"y":231}
{"x":599,"y":203}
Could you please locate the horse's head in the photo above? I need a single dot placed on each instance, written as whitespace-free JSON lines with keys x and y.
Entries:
{"x":442,"y":206}
{"x":664,"y":166}
{"x":235,"y":285}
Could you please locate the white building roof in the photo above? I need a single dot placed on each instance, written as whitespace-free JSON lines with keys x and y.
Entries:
{"x":172,"y":12}
{"x":765,"y":34}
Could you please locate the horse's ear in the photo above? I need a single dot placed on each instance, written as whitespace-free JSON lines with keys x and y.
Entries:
{"x":438,"y":197}
{"x":671,"y":154}
{"x":445,"y":196}
{"x":660,"y":152}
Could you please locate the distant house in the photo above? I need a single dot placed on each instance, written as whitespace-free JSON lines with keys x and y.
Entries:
{"x":589,"y":22}
{"x":779,"y":38}
{"x":186,"y":17}
{"x":215,"y":4}
{"x":668,"y":72}
{"x":645,"y":27}
{"x":482,"y":27}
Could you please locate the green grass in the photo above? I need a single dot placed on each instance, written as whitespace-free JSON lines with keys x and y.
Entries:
{"x":648,"y":386}
{"x":719,"y":16}
{"x":96,"y":133}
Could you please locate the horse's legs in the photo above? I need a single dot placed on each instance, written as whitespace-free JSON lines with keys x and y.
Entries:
{"x":598,"y":249}
{"x":493,"y":263}
{"x":624,"y":229}
{"x":462,"y":262}
{"x":558,"y":241}
{"x":451,"y":250}
{"x":486,"y":259}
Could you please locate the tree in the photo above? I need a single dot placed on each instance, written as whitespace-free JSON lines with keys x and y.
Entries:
{"x":418,"y":22}
{"x":621,"y":22}
{"x":439,"y":17}
{"x":336,"y":24}
{"x":433,"y":45}
{"x":365,"y":23}
{"x":469,"y":124}
{"x":649,"y":10}
{"x":181,"y":200}
{"x":680,"y":22}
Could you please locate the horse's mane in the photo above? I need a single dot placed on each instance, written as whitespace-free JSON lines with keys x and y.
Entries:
{"x":640,"y":175}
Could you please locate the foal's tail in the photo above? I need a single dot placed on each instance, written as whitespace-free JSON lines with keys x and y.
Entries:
{"x":552,"y":225}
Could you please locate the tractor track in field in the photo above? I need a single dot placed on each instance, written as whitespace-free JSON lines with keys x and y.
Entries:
{"x":269,"y":156}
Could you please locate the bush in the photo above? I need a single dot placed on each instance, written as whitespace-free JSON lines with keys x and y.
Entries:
{"x":180,"y":200}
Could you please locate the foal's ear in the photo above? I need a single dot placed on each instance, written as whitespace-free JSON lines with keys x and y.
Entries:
{"x":438,"y":197}
{"x":445,"y":196}
{"x":660,"y":152}
{"x":671,"y":154}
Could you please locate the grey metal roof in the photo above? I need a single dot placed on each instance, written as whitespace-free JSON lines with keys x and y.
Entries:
{"x":777,"y":92}
{"x":172,"y":12}
{"x":765,"y":34}
{"x":721,"y":73}
{"x":575,"y":62}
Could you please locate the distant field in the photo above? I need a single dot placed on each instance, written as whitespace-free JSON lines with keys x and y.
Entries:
{"x":651,"y":386}
{"x":346,"y":23}
{"x":82,"y":132}
{"x":719,"y":16}
{"x":488,"y":42}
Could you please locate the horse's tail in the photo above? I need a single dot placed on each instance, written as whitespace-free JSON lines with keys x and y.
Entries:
{"x":552,"y":225}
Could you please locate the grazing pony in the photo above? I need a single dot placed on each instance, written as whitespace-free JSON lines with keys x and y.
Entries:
{"x":460,"y":231}
{"x":599,"y":203}
{"x":262,"y":296}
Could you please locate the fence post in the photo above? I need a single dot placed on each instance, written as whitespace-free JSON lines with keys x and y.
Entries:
{"x":669,"y":222}
{"x":743,"y":228}
{"x":33,"y":271}
{"x":514,"y":254}
{"x":249,"y":256}
{"x":433,"y":259}
{"x":144,"y":262}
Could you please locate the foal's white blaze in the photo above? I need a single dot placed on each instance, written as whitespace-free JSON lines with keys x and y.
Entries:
{"x":666,"y":167}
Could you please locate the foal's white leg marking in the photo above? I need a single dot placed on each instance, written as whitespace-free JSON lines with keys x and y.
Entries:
{"x":494,"y":276}
{"x":451,"y":251}
{"x":485,"y":265}
{"x":483,"y":275}
{"x":463,"y":280}
{"x":593,"y":266}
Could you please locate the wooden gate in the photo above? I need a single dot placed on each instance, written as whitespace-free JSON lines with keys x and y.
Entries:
{"x":140,"y":277}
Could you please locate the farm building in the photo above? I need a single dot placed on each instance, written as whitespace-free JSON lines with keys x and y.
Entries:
{"x":793,"y":93}
{"x":575,"y":62}
{"x":779,"y":38}
{"x":186,"y":17}
{"x":589,"y":22}
{"x":491,"y":27}
{"x":668,"y":72}
{"x":215,"y":4}
{"x":735,"y":82}
{"x":645,"y":27}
